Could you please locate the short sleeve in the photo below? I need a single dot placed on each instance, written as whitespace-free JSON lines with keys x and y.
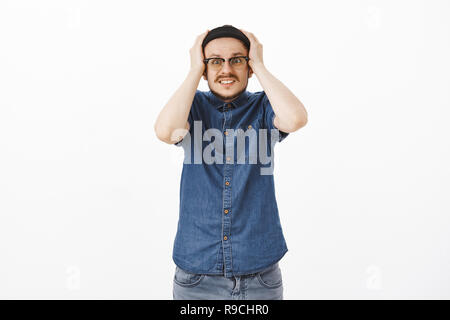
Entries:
{"x":190,"y":120}
{"x":269,"y":117}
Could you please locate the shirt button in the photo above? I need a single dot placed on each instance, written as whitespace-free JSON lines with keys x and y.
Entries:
{"x":225,"y":238}
{"x":226,"y":211}
{"x":227,"y":183}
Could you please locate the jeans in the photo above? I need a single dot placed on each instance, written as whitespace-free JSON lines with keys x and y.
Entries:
{"x":263,"y":285}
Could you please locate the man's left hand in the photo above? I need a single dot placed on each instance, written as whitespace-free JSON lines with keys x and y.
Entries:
{"x":256,"y":50}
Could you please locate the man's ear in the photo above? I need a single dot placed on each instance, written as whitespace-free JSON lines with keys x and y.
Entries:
{"x":205,"y":77}
{"x":250,"y":72}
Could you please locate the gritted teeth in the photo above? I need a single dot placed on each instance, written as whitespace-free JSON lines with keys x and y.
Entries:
{"x":226,"y":81}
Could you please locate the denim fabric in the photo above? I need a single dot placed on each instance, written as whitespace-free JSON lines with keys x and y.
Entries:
{"x":228,"y":215}
{"x":264,"y":285}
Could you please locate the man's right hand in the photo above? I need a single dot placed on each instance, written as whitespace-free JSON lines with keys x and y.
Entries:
{"x":197,"y":53}
{"x":175,"y":114}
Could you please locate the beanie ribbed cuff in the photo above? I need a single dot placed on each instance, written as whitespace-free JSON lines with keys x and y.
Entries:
{"x":226,"y":31}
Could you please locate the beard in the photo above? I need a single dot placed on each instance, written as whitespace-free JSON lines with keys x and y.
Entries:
{"x":231,"y":97}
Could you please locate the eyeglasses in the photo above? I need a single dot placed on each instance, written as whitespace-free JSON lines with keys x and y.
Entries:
{"x":235,"y":62}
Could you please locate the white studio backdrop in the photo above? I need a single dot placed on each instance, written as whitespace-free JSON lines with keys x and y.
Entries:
{"x":89,"y":197}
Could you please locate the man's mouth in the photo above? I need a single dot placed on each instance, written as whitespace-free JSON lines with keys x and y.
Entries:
{"x":227,"y":82}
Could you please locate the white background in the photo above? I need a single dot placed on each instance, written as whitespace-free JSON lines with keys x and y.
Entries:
{"x":89,"y":197}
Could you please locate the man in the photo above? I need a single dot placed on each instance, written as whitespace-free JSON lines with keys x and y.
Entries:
{"x":229,"y":238}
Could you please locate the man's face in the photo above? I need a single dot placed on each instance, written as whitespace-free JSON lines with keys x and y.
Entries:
{"x":227,"y":48}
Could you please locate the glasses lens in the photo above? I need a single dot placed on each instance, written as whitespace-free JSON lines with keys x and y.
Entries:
{"x":238,"y":62}
{"x":215,"y":63}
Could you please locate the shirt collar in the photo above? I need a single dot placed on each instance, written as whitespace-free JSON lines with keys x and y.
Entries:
{"x":236,"y":103}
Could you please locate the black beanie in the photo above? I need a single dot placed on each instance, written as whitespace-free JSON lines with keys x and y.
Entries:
{"x":226,"y":31}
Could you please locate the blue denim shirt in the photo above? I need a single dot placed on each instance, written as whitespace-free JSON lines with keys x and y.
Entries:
{"x":228,"y":220}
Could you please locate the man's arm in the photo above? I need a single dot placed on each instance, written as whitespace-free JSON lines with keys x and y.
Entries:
{"x":172,"y":123}
{"x":290,"y":114}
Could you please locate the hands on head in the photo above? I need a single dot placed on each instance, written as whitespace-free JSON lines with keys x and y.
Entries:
{"x":196,"y":53}
{"x":255,"y":53}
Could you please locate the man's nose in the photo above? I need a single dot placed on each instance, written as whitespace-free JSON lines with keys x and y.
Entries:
{"x":226,"y":68}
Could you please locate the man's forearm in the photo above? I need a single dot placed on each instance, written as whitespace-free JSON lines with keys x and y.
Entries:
{"x":290,"y":112}
{"x":175,"y":113}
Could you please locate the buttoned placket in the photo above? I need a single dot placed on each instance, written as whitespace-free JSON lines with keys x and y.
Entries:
{"x":227,"y":185}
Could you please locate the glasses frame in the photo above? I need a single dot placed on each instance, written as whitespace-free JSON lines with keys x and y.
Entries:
{"x":206,"y":61}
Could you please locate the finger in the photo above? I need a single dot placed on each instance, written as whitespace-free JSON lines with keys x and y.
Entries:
{"x":244,"y":32}
{"x":202,"y":36}
{"x":250,"y":36}
{"x":255,"y":40}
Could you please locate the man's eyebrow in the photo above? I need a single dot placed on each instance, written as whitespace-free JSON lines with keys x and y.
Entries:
{"x":234,"y":54}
